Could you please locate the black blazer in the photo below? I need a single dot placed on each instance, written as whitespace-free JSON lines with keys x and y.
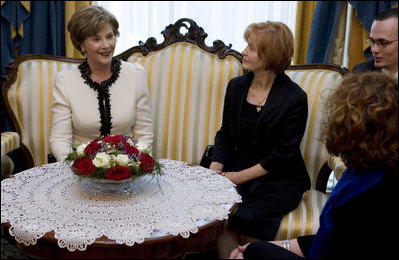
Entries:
{"x":276,"y":136}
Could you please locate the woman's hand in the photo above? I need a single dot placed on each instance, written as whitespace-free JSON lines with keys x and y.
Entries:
{"x":246,"y":174}
{"x":238,"y":253}
{"x":234,"y":177}
{"x":216,"y":167}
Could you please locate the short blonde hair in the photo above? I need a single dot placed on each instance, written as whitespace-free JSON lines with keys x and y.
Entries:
{"x":88,"y":21}
{"x":274,"y":43}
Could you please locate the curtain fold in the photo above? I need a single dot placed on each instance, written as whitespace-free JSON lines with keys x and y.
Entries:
{"x":13,"y":16}
{"x":31,"y":27}
{"x":358,"y":43}
{"x":70,"y":8}
{"x":43,"y":31}
{"x":304,"y":17}
{"x":324,"y":27}
{"x":339,"y":39}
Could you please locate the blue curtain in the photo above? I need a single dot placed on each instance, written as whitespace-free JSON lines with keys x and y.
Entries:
{"x":13,"y":14}
{"x":322,"y":33}
{"x":46,"y":29}
{"x":325,"y":22}
{"x":43,"y":29}
{"x":43,"y":33}
{"x":367,"y":11}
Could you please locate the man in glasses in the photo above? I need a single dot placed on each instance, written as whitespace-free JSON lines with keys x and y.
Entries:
{"x":383,"y":42}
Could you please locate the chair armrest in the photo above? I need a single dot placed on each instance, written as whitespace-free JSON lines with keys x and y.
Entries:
{"x":10,"y":141}
{"x":337,"y":165}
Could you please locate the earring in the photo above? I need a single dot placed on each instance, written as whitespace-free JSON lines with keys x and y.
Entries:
{"x":83,"y":51}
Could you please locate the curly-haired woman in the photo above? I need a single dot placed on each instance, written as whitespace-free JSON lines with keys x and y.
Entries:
{"x":359,"y":219}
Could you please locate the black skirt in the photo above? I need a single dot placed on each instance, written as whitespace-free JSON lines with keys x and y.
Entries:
{"x":263,"y":206}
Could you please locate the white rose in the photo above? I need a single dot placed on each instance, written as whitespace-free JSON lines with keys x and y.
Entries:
{"x":122,"y":159}
{"x":141,"y":146}
{"x":130,"y":141}
{"x":101,"y":160}
{"x":81,"y":149}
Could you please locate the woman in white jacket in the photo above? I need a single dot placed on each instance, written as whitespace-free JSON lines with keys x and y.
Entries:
{"x":103,"y":95}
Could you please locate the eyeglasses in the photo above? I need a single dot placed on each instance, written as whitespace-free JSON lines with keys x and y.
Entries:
{"x":380,"y":43}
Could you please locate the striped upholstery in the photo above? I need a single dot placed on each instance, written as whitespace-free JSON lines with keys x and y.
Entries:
{"x":9,"y":142}
{"x":317,"y":83}
{"x":304,"y":220}
{"x":30,"y":97}
{"x":187,"y":87}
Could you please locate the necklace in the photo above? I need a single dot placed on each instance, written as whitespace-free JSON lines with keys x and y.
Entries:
{"x":259,"y":107}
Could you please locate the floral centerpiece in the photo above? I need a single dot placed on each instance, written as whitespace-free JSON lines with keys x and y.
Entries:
{"x":113,"y":157}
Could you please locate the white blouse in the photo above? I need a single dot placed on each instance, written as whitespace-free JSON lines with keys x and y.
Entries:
{"x":76,"y":114}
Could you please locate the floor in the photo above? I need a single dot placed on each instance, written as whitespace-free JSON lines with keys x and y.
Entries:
{"x":9,"y":251}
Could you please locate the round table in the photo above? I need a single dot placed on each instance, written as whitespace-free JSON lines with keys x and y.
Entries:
{"x":47,"y":213}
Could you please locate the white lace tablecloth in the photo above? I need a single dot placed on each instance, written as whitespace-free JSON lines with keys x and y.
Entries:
{"x":50,"y":198}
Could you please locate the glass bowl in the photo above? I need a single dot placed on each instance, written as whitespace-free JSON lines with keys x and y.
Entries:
{"x":107,"y":186}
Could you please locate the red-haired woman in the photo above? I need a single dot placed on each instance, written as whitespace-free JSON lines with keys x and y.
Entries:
{"x":257,"y":146}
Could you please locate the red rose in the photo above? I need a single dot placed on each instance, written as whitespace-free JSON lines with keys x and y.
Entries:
{"x":92,"y":147}
{"x":84,"y":165}
{"x":118,"y":173}
{"x":129,"y":149}
{"x":147,"y":163}
{"x":114,"y":140}
{"x":75,"y":164}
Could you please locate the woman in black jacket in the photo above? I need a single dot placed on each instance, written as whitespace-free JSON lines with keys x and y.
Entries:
{"x":257,"y":146}
{"x":359,"y":219}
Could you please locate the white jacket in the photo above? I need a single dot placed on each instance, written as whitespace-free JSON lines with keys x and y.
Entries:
{"x":76,"y":114}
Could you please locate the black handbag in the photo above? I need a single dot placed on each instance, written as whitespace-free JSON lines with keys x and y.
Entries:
{"x":207,"y":157}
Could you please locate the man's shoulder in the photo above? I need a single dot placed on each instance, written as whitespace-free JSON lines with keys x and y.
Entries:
{"x":365,"y":66}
